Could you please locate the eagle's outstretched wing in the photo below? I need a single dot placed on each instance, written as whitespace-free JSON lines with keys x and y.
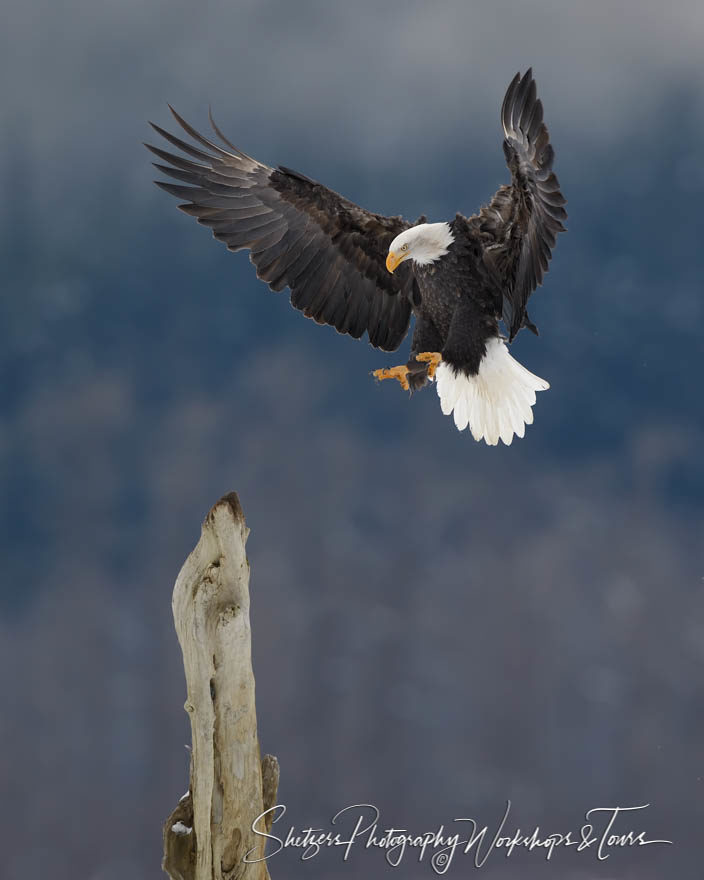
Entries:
{"x":330,"y":252}
{"x":520,"y":224}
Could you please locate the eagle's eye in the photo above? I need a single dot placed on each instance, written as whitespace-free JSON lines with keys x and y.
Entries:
{"x":404,"y":247}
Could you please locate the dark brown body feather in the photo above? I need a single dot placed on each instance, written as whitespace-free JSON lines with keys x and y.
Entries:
{"x":460,"y":303}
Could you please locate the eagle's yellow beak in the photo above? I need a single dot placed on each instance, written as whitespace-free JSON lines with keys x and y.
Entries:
{"x":393,"y":260}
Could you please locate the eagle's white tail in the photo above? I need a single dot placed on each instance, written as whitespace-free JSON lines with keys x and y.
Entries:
{"x":496,"y":403}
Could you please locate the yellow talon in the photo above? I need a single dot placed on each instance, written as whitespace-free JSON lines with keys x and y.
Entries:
{"x":400,"y":373}
{"x":432,"y":358}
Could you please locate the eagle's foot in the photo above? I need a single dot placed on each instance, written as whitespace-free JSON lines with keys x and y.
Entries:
{"x":400,"y":373}
{"x":432,"y":359}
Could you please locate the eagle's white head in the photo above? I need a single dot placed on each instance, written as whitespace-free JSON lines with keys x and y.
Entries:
{"x":423,"y":244}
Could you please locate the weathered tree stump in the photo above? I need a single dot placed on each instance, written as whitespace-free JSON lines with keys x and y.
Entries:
{"x":209,"y":833}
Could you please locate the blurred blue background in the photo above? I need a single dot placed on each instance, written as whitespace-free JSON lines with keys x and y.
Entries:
{"x":438,"y":626}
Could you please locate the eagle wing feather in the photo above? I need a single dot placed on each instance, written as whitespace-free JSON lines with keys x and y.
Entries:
{"x":330,"y":252}
{"x":521,"y":223}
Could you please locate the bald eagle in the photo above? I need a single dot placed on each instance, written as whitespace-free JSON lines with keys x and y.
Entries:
{"x":363,"y":272}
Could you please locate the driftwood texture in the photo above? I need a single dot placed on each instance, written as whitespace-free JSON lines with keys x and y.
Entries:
{"x":210,"y":831}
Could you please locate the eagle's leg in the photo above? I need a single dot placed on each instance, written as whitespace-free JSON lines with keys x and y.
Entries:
{"x":425,"y":348}
{"x":432,"y":359}
{"x":400,"y":373}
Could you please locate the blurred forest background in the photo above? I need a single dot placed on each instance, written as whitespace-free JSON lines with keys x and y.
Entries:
{"x":438,"y":626}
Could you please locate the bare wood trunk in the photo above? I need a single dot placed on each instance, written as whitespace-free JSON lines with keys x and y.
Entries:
{"x":210,"y":831}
